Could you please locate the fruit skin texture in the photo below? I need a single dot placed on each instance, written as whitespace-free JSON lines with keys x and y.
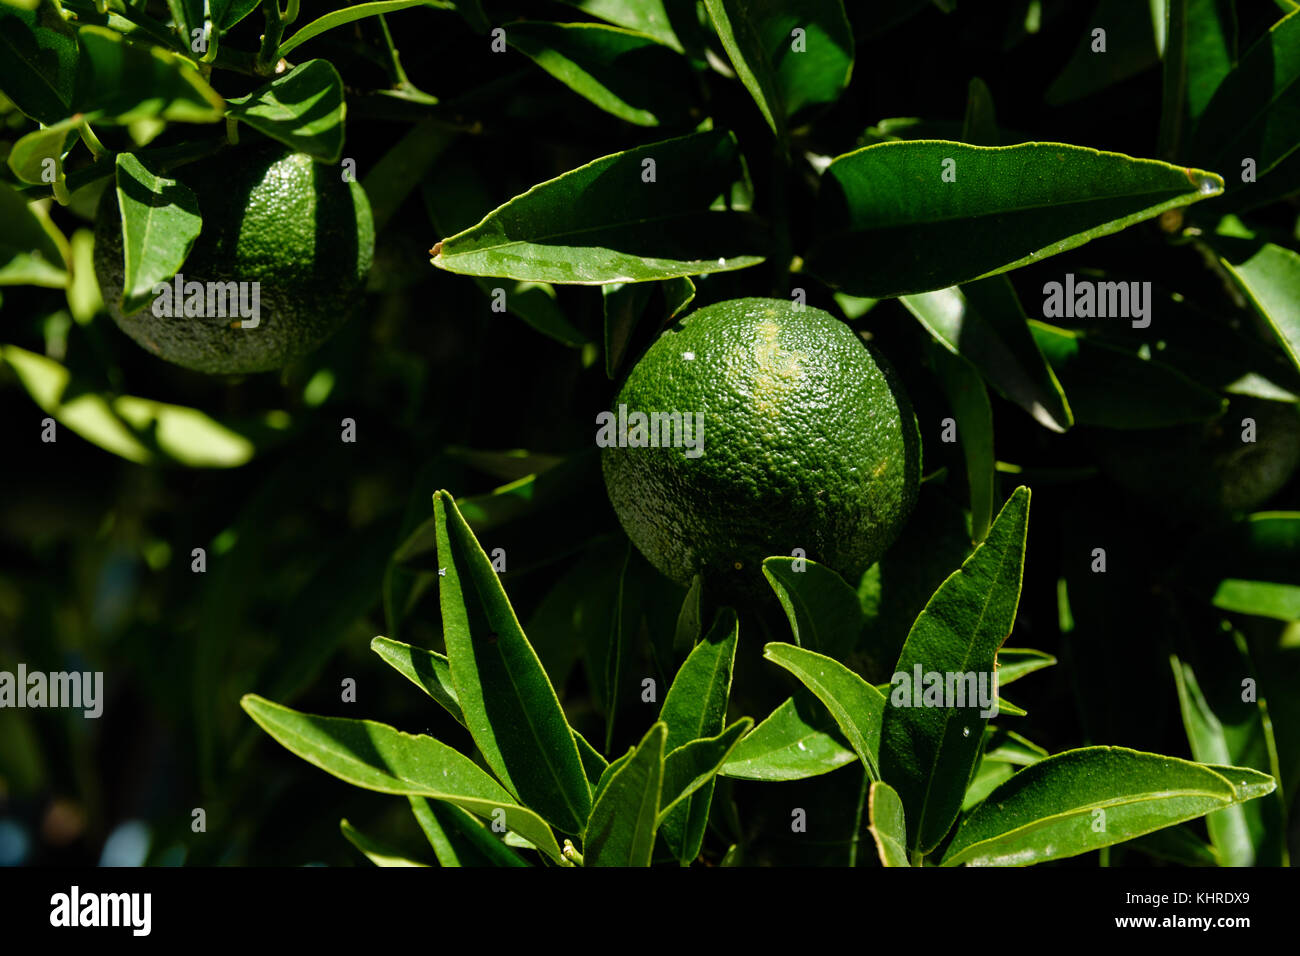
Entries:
{"x":809,"y":443}
{"x":269,"y":216}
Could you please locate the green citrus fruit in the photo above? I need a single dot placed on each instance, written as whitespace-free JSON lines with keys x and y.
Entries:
{"x":269,"y":216}
{"x":807,"y":443}
{"x":1209,"y":472}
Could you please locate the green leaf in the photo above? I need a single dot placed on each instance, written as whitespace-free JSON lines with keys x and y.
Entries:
{"x":1085,"y":799}
{"x":30,"y":154}
{"x":985,"y":324}
{"x":1224,"y":729}
{"x":1211,"y":50}
{"x":980,"y":126}
{"x":799,"y":739}
{"x":988,"y":776}
{"x":28,"y":252}
{"x":1007,"y":746}
{"x":628,"y":74}
{"x":458,"y":839}
{"x":969,"y":401}
{"x":303,"y":109}
{"x":624,"y":305}
{"x":1009,"y":206}
{"x":1015,"y":662}
{"x":338,"y":18}
{"x":39,"y":57}
{"x":1113,"y":388}
{"x":858,"y":708}
{"x":603,"y":222}
{"x":695,"y":707}
{"x":1269,"y":276}
{"x":1258,"y":568}
{"x":785,"y":72}
{"x":510,"y":707}
{"x":888,"y":829}
{"x":928,"y":753}
{"x":651,"y":17}
{"x":130,"y":82}
{"x":1255,"y":113}
{"x":1131,"y":48}
{"x":823,"y":610}
{"x":621,"y":831}
{"x":378,"y":853}
{"x":403,"y":167}
{"x":690,"y":621}
{"x":137,"y":429}
{"x":160,"y":222}
{"x":377,"y":757}
{"x":694,"y":765}
{"x":427,"y":670}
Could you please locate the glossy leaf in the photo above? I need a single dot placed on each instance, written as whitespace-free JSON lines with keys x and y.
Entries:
{"x":130,"y":82}
{"x":1009,"y":206}
{"x":427,"y":670}
{"x":784,"y":71}
{"x":1255,"y":113}
{"x":378,"y":853}
{"x":28,"y":253}
{"x":1211,"y":50}
{"x":375,"y":756}
{"x":799,"y":739}
{"x":621,"y":831}
{"x":969,"y":401}
{"x":888,"y":829}
{"x":651,"y":17}
{"x":928,"y":753}
{"x":1224,"y":729}
{"x":1258,"y":569}
{"x":39,"y":57}
{"x":858,"y":708}
{"x":1110,"y":387}
{"x":30,"y":157}
{"x":1015,"y":662}
{"x":695,"y":707}
{"x":1085,"y":799}
{"x":137,"y":429}
{"x":603,"y":222}
{"x":985,"y":324}
{"x":458,"y":838}
{"x":1269,"y":276}
{"x":160,"y":223}
{"x":510,"y":707}
{"x":695,"y":764}
{"x":346,"y":15}
{"x":628,"y":74}
{"x":302,"y":108}
{"x":823,"y":611}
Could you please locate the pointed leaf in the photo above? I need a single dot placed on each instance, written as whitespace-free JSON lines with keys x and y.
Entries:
{"x":888,"y":829}
{"x":302,"y":108}
{"x":377,"y":852}
{"x":984,"y":323}
{"x":696,"y":707}
{"x":160,"y":222}
{"x":459,"y":839}
{"x":628,"y":74}
{"x":824,"y":612}
{"x":604,"y":222}
{"x":858,"y":708}
{"x":1086,"y":799}
{"x":621,"y":831}
{"x":1008,"y":206}
{"x":784,"y":71}
{"x":1269,"y":276}
{"x":378,"y":757}
{"x":969,"y":401}
{"x":1015,"y":662}
{"x":928,"y":753}
{"x":510,"y":707}
{"x":799,"y":739}
{"x":694,"y":765}
{"x":346,"y":15}
{"x":427,"y":670}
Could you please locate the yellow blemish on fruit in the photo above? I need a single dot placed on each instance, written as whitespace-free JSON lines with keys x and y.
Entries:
{"x":779,"y":370}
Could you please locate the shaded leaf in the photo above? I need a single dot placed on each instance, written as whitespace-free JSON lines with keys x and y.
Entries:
{"x":823,"y":611}
{"x":457,"y":838}
{"x":427,"y":670}
{"x":969,"y":401}
{"x":160,"y":222}
{"x":130,"y":82}
{"x":38,"y":61}
{"x":302,"y":108}
{"x":621,"y":831}
{"x":377,"y":852}
{"x":695,"y":764}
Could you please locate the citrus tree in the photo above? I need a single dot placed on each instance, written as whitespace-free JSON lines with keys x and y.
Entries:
{"x":669,"y":402}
